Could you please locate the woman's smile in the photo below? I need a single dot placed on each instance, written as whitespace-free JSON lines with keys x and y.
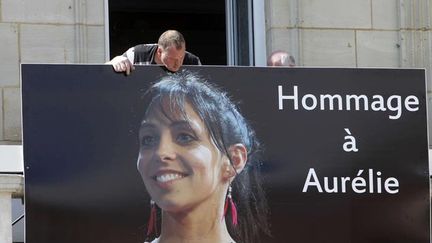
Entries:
{"x":169,"y":177}
{"x":166,"y":178}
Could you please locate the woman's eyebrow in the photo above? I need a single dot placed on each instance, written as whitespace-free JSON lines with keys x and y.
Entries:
{"x":147,"y":125}
{"x":185,"y":124}
{"x":181,"y":124}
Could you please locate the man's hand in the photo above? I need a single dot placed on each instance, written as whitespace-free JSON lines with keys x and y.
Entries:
{"x":122,"y":64}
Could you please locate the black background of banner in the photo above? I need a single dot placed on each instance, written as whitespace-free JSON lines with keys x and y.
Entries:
{"x":80,"y":148}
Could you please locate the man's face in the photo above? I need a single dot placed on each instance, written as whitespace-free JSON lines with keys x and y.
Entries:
{"x":172,"y":57}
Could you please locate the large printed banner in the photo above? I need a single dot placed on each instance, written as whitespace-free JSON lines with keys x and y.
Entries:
{"x":345,"y":159}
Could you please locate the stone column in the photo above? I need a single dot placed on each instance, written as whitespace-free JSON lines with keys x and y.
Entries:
{"x":10,"y":186}
{"x":416,"y":41}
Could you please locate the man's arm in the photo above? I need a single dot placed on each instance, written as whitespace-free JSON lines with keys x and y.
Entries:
{"x":124,"y":63}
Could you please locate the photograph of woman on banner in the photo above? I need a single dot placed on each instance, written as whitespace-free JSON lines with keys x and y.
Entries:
{"x":199,"y":162}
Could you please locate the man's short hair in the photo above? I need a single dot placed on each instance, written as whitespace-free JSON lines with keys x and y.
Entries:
{"x":281,"y":58}
{"x":171,"y":38}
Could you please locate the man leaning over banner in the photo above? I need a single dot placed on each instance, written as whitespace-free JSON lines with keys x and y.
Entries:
{"x":170,"y":51}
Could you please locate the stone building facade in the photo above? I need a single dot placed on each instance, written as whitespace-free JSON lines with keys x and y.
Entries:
{"x":337,"y":33}
{"x":43,"y":31}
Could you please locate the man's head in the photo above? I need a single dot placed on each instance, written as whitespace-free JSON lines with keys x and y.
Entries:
{"x":171,"y":50}
{"x":281,"y":58}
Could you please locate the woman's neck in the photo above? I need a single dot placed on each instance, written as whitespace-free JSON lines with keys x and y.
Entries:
{"x":205,"y":223}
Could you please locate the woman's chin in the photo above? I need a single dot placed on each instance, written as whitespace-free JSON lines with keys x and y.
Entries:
{"x":170,"y":206}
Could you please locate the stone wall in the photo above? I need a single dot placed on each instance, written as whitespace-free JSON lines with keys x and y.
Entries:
{"x":352,"y":33}
{"x":342,"y":33}
{"x":43,"y":31}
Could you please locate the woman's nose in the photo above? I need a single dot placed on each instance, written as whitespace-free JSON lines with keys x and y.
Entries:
{"x":166,"y":149}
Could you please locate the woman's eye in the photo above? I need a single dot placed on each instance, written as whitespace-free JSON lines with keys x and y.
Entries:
{"x":185,"y":138}
{"x":148,"y":141}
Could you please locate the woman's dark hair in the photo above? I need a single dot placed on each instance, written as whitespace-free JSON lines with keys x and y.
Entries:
{"x":226,"y":127}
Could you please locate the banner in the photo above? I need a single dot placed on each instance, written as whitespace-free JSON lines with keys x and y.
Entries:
{"x":345,"y":158}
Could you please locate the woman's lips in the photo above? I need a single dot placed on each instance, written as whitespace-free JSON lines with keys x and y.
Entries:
{"x":169,"y":176}
{"x":165,"y":178}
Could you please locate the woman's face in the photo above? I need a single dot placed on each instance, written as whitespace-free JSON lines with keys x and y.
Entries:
{"x":179,"y":162}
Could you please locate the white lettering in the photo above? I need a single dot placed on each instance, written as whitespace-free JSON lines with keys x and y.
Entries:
{"x":282,"y":97}
{"x":391,"y":182}
{"x":357,"y":99}
{"x":312,"y":98}
{"x":358,"y":181}
{"x":397,"y":108}
{"x":326,"y":185}
{"x":344,"y":181}
{"x":330,"y":99}
{"x":359,"y":184}
{"x":378,"y":103}
{"x":350,"y":144}
{"x":379,"y":182}
{"x":396,"y":104}
{"x":411,"y":100}
{"x":309,"y":183}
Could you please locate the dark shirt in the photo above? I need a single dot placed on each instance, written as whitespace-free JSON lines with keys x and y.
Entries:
{"x":145,"y":54}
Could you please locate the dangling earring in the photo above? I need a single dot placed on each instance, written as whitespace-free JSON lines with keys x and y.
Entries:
{"x":229,"y":201}
{"x":151,"y":225}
